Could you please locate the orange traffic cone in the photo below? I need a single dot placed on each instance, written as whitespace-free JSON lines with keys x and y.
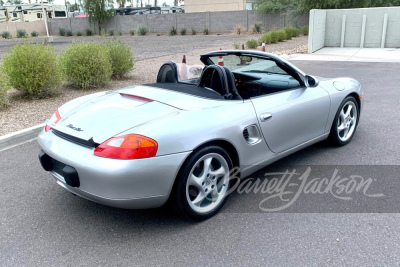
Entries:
{"x":183,"y":69}
{"x":263,"y":47}
{"x":221,"y":60}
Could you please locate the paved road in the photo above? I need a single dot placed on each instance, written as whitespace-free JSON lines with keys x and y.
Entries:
{"x":41,"y":224}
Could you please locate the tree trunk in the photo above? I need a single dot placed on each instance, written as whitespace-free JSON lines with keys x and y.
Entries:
{"x":176,"y":3}
{"x":155,"y":2}
{"x":141,"y":3}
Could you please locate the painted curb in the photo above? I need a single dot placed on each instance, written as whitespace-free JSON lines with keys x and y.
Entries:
{"x":16,"y":138}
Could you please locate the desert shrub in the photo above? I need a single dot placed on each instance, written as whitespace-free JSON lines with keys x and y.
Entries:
{"x":238,"y":30}
{"x":111,"y":32}
{"x":132,"y":32}
{"x":69,"y":33}
{"x":21,"y":33}
{"x":194,"y":32}
{"x":4,"y":86}
{"x":304,"y":30}
{"x":269,"y":37}
{"x":34,"y":34}
{"x":256,"y":28}
{"x":206,"y":31}
{"x":173,"y":31}
{"x":289,"y":32}
{"x":33,"y":69}
{"x":143,"y":31}
{"x":281,"y":35}
{"x":89,"y":32}
{"x":183,"y":31}
{"x":236,"y":46}
{"x":274,"y":36}
{"x":295,"y":32}
{"x":120,"y":33}
{"x":251,"y":43}
{"x":87,"y":64}
{"x":121,"y":57}
{"x":62,"y":31}
{"x":78,"y":33}
{"x":6,"y":35}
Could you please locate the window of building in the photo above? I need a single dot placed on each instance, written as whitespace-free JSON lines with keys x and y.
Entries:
{"x":59,"y":14}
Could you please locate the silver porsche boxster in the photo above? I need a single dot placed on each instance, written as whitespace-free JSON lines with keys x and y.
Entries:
{"x":180,"y":138}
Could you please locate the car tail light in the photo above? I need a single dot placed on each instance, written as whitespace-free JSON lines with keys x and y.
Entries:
{"x":131,"y":146}
{"x":54,"y":119}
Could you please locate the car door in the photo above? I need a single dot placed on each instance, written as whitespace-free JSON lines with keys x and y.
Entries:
{"x":292,"y":117}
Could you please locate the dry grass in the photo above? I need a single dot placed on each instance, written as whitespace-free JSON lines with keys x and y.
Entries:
{"x":239,"y":30}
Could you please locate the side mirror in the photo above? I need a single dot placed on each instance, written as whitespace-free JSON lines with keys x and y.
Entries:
{"x":311,"y":81}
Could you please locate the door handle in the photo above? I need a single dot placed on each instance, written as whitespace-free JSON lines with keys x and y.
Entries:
{"x":266,"y":116}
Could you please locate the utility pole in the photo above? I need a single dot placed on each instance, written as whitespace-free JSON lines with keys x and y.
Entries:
{"x":48,"y":39}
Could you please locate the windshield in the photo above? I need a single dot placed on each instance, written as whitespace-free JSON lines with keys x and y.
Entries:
{"x":248,"y":64}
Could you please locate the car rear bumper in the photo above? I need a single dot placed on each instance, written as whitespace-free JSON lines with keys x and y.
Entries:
{"x":143,"y":183}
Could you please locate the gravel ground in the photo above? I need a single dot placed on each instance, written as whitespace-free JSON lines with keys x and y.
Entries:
{"x":150,"y":53}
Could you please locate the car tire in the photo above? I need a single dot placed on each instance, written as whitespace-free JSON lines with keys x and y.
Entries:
{"x":203,"y":183}
{"x":345,"y":123}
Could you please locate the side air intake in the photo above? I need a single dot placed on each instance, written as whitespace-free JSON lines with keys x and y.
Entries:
{"x":251,"y":135}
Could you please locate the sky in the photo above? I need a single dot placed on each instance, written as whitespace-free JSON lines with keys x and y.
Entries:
{"x":159,"y":2}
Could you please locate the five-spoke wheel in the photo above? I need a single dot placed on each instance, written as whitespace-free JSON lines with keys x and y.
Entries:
{"x":345,"y":123}
{"x":203,"y":183}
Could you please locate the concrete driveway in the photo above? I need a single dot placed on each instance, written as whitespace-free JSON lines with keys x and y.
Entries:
{"x":351,"y":54}
{"x":43,"y":225}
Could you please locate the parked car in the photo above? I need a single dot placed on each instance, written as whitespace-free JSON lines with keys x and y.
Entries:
{"x":180,"y":138}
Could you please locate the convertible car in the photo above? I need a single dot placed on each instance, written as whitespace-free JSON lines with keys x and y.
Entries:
{"x":179,"y":139}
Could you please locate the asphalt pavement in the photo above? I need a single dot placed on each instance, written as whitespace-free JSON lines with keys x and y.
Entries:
{"x":41,"y":224}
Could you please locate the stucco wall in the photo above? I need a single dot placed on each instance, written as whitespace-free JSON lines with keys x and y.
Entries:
{"x":28,"y":26}
{"x":345,"y":27}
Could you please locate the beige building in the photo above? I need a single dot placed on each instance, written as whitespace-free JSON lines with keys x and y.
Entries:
{"x":192,"y":6}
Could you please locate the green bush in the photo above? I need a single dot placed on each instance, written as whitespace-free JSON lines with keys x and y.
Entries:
{"x":183,"y":31}
{"x":289,"y":33}
{"x":252,"y":44}
{"x":87,"y":64}
{"x":4,"y":86}
{"x":6,"y":35}
{"x":295,"y":32}
{"x":266,"y":38}
{"x":89,"y":32}
{"x":21,"y":33}
{"x":132,"y":32}
{"x":304,"y":30}
{"x":206,"y":31}
{"x":236,"y":46}
{"x":111,"y":32}
{"x":62,"y":31}
{"x":34,"y":34}
{"x":78,"y":33}
{"x":143,"y":31}
{"x":173,"y":31}
{"x":69,"y":33}
{"x":281,"y":35}
{"x":121,"y":57}
{"x":33,"y":69}
{"x":120,"y":33}
{"x":274,"y":37}
{"x":194,"y":32}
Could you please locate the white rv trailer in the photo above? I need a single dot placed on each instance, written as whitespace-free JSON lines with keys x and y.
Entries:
{"x":31,"y":12}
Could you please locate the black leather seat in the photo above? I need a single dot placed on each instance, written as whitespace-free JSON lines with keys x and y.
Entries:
{"x":168,"y":73}
{"x":221,"y":80}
